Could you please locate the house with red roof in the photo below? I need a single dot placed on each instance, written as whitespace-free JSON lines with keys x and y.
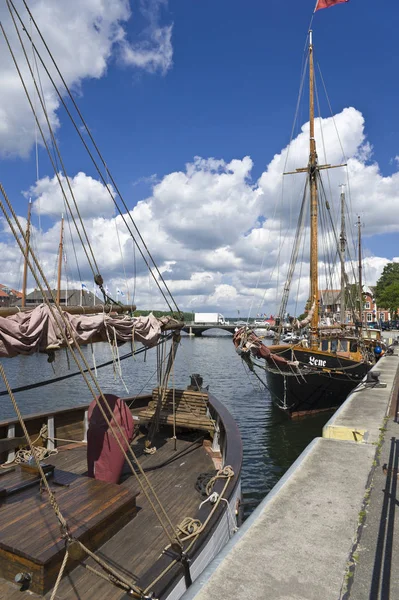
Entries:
{"x":8,"y":296}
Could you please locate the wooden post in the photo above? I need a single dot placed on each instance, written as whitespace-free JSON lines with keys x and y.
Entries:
{"x":50,"y":432}
{"x":11,"y":434}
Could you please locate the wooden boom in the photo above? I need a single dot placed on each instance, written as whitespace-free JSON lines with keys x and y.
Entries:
{"x":75,"y":310}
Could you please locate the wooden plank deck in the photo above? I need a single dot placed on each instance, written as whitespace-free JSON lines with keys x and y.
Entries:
{"x":30,"y":536}
{"x":134,"y":548}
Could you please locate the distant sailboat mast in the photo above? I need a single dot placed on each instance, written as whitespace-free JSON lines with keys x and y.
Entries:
{"x":342,"y":240}
{"x":60,"y":261}
{"x":359,"y":238}
{"x":25,"y":273}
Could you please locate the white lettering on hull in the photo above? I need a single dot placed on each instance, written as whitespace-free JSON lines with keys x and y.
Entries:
{"x":317,"y":362}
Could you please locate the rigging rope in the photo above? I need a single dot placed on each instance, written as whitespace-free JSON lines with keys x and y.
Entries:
{"x":53,"y":306}
{"x":345,"y":158}
{"x":294,"y":255}
{"x":38,"y":384}
{"x":57,"y":174}
{"x":52,"y":499}
{"x":99,"y":154}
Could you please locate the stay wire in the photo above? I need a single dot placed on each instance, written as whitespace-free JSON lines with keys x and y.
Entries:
{"x":301,"y":265}
{"x":322,"y":139}
{"x":54,"y":143}
{"x":345,"y":158}
{"x":122,"y":258}
{"x":282,"y":239}
{"x":44,"y":102}
{"x":42,"y":135}
{"x":108,"y":363}
{"x":294,"y":254}
{"x":100,"y":156}
{"x":34,"y":104}
{"x":73,"y":247}
{"x":352,"y":307}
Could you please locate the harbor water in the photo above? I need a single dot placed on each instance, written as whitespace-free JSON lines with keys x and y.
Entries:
{"x":271,"y":441}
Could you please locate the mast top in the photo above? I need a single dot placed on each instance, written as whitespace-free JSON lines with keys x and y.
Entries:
{"x":310,"y":37}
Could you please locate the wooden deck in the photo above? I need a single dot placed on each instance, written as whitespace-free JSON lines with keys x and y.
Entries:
{"x":134,"y":548}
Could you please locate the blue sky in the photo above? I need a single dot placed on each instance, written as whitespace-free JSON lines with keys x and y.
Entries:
{"x":229,"y":91}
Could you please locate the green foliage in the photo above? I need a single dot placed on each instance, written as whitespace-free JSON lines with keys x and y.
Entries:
{"x":352,"y":298}
{"x":389,"y":298}
{"x":389,"y":275}
{"x":387,"y":288}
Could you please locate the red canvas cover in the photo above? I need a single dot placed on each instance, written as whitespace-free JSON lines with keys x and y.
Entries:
{"x":104,"y":456}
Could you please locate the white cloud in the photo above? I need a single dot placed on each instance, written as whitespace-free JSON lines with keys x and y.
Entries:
{"x":91,"y":196}
{"x":83,"y":37}
{"x":208,"y":205}
{"x":217,"y":235}
{"x":153,"y":54}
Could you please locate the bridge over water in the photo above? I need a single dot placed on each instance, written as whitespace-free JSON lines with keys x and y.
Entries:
{"x":198,"y":329}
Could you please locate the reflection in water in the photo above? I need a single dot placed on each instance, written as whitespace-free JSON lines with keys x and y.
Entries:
{"x":271,"y":441}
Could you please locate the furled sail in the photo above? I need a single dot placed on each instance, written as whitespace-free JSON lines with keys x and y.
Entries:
{"x":295,"y":324}
{"x":40,"y":330}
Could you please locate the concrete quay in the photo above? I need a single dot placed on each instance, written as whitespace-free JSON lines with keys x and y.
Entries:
{"x":326,"y":531}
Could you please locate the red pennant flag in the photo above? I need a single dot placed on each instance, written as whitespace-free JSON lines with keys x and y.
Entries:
{"x":327,"y":3}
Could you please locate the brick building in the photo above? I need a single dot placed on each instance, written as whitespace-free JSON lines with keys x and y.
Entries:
{"x":330,"y":305}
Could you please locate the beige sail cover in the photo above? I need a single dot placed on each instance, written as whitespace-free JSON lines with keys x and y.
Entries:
{"x":40,"y":329}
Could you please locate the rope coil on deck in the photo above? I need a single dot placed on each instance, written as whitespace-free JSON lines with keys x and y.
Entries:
{"x":225,"y":473}
{"x":188,"y":526}
{"x":198,"y":527}
{"x":25,"y":455}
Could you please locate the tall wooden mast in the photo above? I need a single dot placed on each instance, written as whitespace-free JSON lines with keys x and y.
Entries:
{"x":60,"y":261}
{"x":25,"y":273}
{"x":312,"y":169}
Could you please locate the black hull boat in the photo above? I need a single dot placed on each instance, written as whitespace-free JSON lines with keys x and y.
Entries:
{"x":299,"y":393}
{"x":329,"y":349}
{"x":302,"y":380}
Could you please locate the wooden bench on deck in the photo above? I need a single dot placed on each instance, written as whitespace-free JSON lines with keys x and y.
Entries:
{"x":191,"y":409}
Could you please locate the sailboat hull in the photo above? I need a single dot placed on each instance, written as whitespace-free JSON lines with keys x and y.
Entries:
{"x":298,"y":392}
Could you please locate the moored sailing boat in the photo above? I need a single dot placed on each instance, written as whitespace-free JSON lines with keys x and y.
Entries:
{"x":317,"y":372}
{"x":118,"y":496}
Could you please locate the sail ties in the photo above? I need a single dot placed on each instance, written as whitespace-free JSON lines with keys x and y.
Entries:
{"x":295,"y":324}
{"x":248,"y":343}
{"x":42,"y":329}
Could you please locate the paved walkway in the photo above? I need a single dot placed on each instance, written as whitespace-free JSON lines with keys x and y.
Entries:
{"x":328,"y":530}
{"x":376,"y":559}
